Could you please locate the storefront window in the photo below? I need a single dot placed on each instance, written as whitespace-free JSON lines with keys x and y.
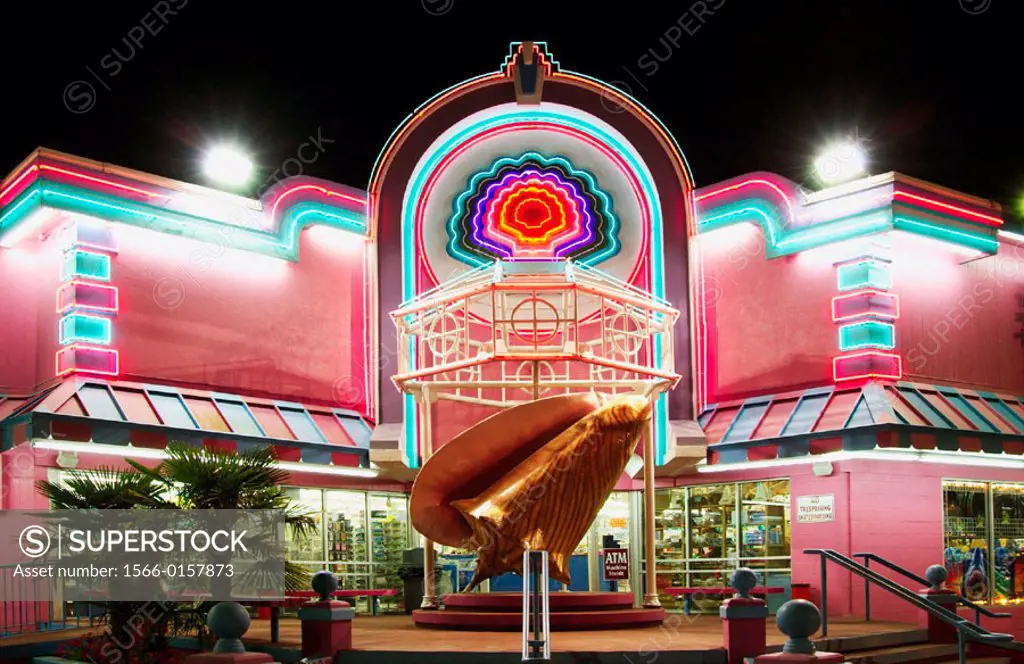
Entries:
{"x":359,"y":537}
{"x":611,"y":530}
{"x":712,"y":518}
{"x":389,"y":537}
{"x":307,"y":550}
{"x":705,"y":532}
{"x":984,"y":540}
{"x":966,"y":538}
{"x":455,"y":568}
{"x":1008,"y":524}
{"x":670,"y":540}
{"x":764,"y":519}
{"x":345,"y":521}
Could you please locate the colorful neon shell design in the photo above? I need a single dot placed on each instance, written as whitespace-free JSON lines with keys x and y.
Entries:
{"x":532,"y":208}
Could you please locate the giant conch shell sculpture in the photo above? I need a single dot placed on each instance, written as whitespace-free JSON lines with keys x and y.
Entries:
{"x":532,"y":477}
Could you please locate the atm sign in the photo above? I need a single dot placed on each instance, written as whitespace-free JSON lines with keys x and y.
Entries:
{"x":616,"y":564}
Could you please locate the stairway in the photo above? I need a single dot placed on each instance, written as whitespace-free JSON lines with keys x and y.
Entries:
{"x":906,"y":647}
{"x":570,"y":611}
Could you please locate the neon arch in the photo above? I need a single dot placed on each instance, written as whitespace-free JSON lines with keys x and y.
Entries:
{"x":619,"y":153}
{"x":553,"y":72}
{"x":431,"y":168}
{"x":406,"y":194}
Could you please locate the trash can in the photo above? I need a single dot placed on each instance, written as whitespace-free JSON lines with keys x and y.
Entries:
{"x":800,"y":591}
{"x":411,"y":573}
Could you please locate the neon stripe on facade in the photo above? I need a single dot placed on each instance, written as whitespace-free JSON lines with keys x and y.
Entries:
{"x":421,"y":185}
{"x":29,"y":191}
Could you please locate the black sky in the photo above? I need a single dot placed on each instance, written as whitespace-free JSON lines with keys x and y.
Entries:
{"x":931,"y":85}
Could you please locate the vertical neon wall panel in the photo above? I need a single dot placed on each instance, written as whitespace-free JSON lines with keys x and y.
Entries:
{"x":864,"y":311}
{"x":869,"y":364}
{"x":86,"y":304}
{"x":87,"y":359}
{"x":863,"y":274}
{"x":98,"y":237}
{"x":867,"y":334}
{"x":82,"y":327}
{"x":83,"y":296}
{"x":865,"y":304}
{"x":87,"y":265}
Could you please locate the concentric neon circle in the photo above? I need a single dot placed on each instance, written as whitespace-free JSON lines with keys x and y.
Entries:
{"x":532,"y":207}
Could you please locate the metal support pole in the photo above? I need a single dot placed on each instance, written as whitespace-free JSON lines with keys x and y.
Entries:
{"x":867,"y":593}
{"x":961,"y":646}
{"x":536,"y":607}
{"x":430,"y":600}
{"x":651,"y":592}
{"x":824,"y":596}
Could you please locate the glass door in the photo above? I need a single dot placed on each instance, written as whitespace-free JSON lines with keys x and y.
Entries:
{"x":610,"y":531}
{"x":712,"y":526}
{"x":670,"y":542}
{"x":764,"y":540}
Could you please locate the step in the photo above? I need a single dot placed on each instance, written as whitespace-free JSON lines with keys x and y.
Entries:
{"x":558,"y":601}
{"x":494,"y":621}
{"x":902,"y":654}
{"x":847,"y":644}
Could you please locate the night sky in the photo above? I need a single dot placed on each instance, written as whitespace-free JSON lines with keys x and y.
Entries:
{"x":929,"y":85}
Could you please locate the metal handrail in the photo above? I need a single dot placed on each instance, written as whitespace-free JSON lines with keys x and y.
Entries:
{"x":965,"y":629}
{"x":978,"y":609}
{"x":536,"y":607}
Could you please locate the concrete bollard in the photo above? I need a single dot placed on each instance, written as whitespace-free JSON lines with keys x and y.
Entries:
{"x":799,"y":619}
{"x":938,"y":631}
{"x":229,"y":621}
{"x":326,"y":623}
{"x":743,"y":619}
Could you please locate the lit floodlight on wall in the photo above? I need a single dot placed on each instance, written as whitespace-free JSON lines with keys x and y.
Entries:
{"x":840,"y":162}
{"x":227,"y":165}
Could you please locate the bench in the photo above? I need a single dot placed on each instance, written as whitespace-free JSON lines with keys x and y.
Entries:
{"x":687,"y":593}
{"x":374,"y":595}
{"x":296,"y":598}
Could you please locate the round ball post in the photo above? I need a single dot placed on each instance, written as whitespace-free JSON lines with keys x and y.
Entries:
{"x":324,"y":584}
{"x":228,"y":621}
{"x":798,"y":619}
{"x":743,"y":619}
{"x":936,"y":575}
{"x":743,"y":580}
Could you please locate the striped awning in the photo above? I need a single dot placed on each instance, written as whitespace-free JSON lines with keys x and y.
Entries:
{"x":830,"y":419}
{"x":150,"y":416}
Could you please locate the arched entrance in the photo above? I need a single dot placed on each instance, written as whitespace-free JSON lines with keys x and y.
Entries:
{"x":578,"y":134}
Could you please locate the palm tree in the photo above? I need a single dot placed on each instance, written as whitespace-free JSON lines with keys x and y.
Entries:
{"x":190,"y":478}
{"x":202,"y":479}
{"x":108,"y":488}
{"x":104,"y":488}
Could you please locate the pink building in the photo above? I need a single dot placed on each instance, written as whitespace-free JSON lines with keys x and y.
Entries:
{"x":841,"y":368}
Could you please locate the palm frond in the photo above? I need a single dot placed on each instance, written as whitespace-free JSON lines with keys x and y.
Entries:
{"x":101,"y":488}
{"x":213,"y":479}
{"x":297,"y":577}
{"x":198,"y":479}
